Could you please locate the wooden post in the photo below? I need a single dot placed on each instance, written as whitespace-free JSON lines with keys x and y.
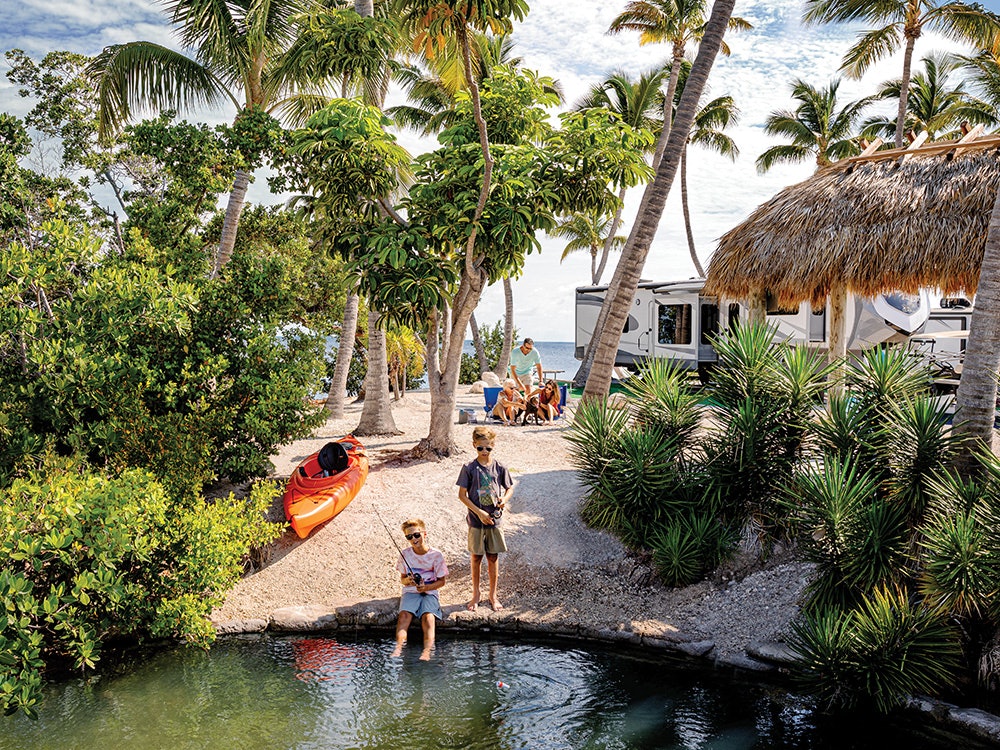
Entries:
{"x":838,"y":334}
{"x":757,"y":308}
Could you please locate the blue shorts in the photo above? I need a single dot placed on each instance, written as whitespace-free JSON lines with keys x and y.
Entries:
{"x":420,"y":604}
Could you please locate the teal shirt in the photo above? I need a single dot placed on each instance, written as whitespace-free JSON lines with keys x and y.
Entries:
{"x":523,"y":363}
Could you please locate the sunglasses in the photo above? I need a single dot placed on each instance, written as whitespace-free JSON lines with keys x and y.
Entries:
{"x":414,"y":535}
{"x":486,"y":448}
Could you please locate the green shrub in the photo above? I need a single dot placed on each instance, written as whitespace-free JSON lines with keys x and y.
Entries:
{"x":85,"y":559}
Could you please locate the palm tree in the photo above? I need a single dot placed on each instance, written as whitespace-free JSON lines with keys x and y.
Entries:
{"x":640,"y":104}
{"x":932,"y":105}
{"x":709,"y":125}
{"x":677,"y":22}
{"x":629,"y":269}
{"x":896,"y":22}
{"x":818,"y":129}
{"x":239,"y":49}
{"x":588,"y":232}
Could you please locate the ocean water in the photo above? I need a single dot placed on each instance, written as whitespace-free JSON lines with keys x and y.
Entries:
{"x":556,"y":355}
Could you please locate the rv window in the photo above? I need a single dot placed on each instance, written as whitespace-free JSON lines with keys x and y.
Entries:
{"x":907,"y":303}
{"x":953,"y":303}
{"x":674,"y":324}
{"x":709,"y":322}
{"x":773,"y":308}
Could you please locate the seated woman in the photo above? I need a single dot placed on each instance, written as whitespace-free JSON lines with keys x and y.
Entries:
{"x":509,"y":403}
{"x":548,"y":401}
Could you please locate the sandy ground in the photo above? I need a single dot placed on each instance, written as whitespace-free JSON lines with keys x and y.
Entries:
{"x":558,"y":573}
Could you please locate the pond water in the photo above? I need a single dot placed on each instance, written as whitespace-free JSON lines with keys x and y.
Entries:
{"x":326,"y":692}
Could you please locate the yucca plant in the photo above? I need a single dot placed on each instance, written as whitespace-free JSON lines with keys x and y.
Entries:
{"x":636,"y":483}
{"x":886,"y":649}
{"x":915,"y":442}
{"x":593,"y":437}
{"x":880,"y":376}
{"x":660,"y":395}
{"x":961,"y":567}
{"x":856,"y":540}
{"x":748,"y":363}
{"x":844,"y":429}
{"x":691,"y":546}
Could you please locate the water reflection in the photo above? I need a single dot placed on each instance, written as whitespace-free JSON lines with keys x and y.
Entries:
{"x":263,"y":692}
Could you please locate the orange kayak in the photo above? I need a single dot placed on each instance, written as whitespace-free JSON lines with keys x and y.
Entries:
{"x":325,"y":483}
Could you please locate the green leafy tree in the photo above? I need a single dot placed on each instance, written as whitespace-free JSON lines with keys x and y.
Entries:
{"x":895,"y":23}
{"x":819,"y":128}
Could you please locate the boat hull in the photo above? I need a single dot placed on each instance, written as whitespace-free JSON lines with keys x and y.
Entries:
{"x":312,"y":499}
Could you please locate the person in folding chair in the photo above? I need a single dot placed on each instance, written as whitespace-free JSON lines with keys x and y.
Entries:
{"x":509,"y":404}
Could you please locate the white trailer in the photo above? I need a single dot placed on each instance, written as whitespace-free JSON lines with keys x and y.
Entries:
{"x":675,"y":320}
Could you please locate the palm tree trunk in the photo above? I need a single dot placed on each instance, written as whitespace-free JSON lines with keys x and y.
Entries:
{"x":237,"y":197}
{"x":615,"y":223}
{"x":668,"y":104}
{"x":637,"y":248}
{"x":477,"y":342}
{"x":977,"y":390}
{"x":503,"y":361}
{"x":904,"y":89}
{"x":342,"y":365}
{"x":687,"y":214}
{"x":376,"y":415}
{"x":364,"y":8}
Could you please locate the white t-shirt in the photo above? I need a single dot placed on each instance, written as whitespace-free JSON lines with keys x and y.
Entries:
{"x":429,"y":566}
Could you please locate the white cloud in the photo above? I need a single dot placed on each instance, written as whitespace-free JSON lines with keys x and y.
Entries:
{"x":567,"y":41}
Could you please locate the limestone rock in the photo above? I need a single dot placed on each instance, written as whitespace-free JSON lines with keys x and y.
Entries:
{"x":306,"y":617}
{"x":490,"y":379}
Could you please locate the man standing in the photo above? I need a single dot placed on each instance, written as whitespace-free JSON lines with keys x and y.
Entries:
{"x":522,"y":359}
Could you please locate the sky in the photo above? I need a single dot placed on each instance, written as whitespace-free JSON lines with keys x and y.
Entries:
{"x":565,"y":39}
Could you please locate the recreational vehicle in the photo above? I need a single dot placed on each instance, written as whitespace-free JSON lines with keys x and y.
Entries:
{"x":676,"y":320}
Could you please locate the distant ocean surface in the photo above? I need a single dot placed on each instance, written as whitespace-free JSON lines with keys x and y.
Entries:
{"x":556,"y":355}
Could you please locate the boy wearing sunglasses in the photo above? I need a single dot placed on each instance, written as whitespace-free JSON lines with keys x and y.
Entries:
{"x":484,"y":487}
{"x":422,"y":571}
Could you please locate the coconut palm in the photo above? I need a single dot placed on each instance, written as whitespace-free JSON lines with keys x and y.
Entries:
{"x":818,"y":128}
{"x":588,"y":232}
{"x":933,"y":105}
{"x":621,"y":292}
{"x":639,"y":103}
{"x":901,"y":22}
{"x":677,"y":22}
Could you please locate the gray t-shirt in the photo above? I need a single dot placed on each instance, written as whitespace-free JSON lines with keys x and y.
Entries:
{"x":485,"y":485}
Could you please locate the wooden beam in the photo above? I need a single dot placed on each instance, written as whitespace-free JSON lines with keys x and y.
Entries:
{"x":914,"y":146}
{"x":838,"y":335}
{"x":932,"y":149}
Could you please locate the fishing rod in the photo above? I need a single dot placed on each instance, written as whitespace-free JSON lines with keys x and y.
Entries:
{"x":416,"y":577}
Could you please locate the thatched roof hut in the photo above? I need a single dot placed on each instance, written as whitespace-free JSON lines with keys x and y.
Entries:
{"x":889,"y":220}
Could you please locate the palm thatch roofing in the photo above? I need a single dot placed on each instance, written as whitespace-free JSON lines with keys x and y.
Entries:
{"x":887,"y":220}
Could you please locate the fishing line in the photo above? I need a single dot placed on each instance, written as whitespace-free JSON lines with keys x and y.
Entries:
{"x":415,"y":576}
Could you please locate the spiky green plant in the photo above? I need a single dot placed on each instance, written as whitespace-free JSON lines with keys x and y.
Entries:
{"x":660,"y":394}
{"x":844,"y":429}
{"x":961,"y":568}
{"x":856,"y":539}
{"x":636,"y":484}
{"x":593,"y":435}
{"x":748,"y":363}
{"x":690,"y":546}
{"x":916,"y":442}
{"x":880,"y":376}
{"x":886,"y":649}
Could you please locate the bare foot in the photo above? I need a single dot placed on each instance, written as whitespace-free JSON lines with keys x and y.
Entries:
{"x":496,"y":605}
{"x":471,"y":606}
{"x":398,"y":651}
{"x":425,"y":655}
